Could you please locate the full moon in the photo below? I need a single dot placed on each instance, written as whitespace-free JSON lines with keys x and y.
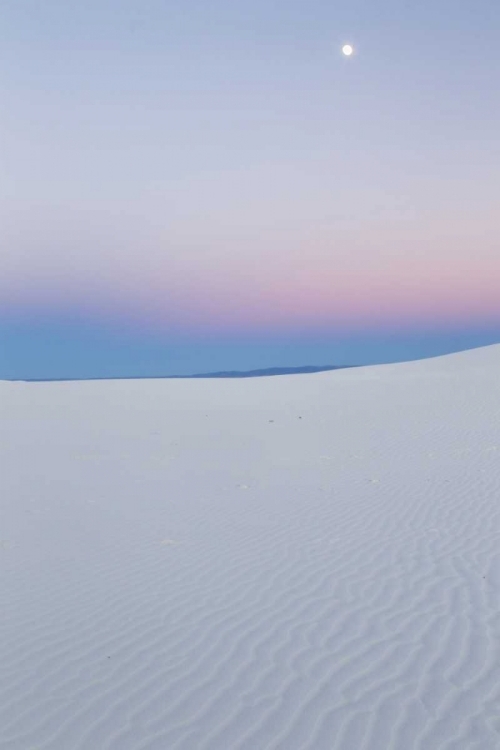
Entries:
{"x":347,"y":50}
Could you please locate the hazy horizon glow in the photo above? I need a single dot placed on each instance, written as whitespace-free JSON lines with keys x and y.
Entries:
{"x":205,"y":174}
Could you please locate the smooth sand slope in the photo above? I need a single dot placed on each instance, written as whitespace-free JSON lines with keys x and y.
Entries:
{"x":288,"y":563}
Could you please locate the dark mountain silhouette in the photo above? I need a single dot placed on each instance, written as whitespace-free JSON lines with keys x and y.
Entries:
{"x":225,"y":374}
{"x":267,"y":371}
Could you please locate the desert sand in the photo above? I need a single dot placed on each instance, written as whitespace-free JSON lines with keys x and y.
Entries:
{"x":306,"y":562}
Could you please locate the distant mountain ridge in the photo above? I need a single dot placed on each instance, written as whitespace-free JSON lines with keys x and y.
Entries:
{"x":223,"y":374}
{"x":267,"y":371}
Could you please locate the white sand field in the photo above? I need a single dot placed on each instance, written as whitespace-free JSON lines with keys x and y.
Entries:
{"x":306,"y":562}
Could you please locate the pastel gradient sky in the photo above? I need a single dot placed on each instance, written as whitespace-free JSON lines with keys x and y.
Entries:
{"x":194,"y":186}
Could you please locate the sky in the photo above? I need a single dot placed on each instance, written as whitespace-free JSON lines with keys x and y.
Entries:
{"x":193,"y":186}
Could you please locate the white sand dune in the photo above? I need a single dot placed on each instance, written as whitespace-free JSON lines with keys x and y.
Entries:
{"x":287,"y":563}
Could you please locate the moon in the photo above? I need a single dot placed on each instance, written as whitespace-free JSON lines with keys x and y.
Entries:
{"x":347,"y":50}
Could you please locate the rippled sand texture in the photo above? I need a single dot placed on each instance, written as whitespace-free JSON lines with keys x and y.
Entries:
{"x":290,"y":563}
